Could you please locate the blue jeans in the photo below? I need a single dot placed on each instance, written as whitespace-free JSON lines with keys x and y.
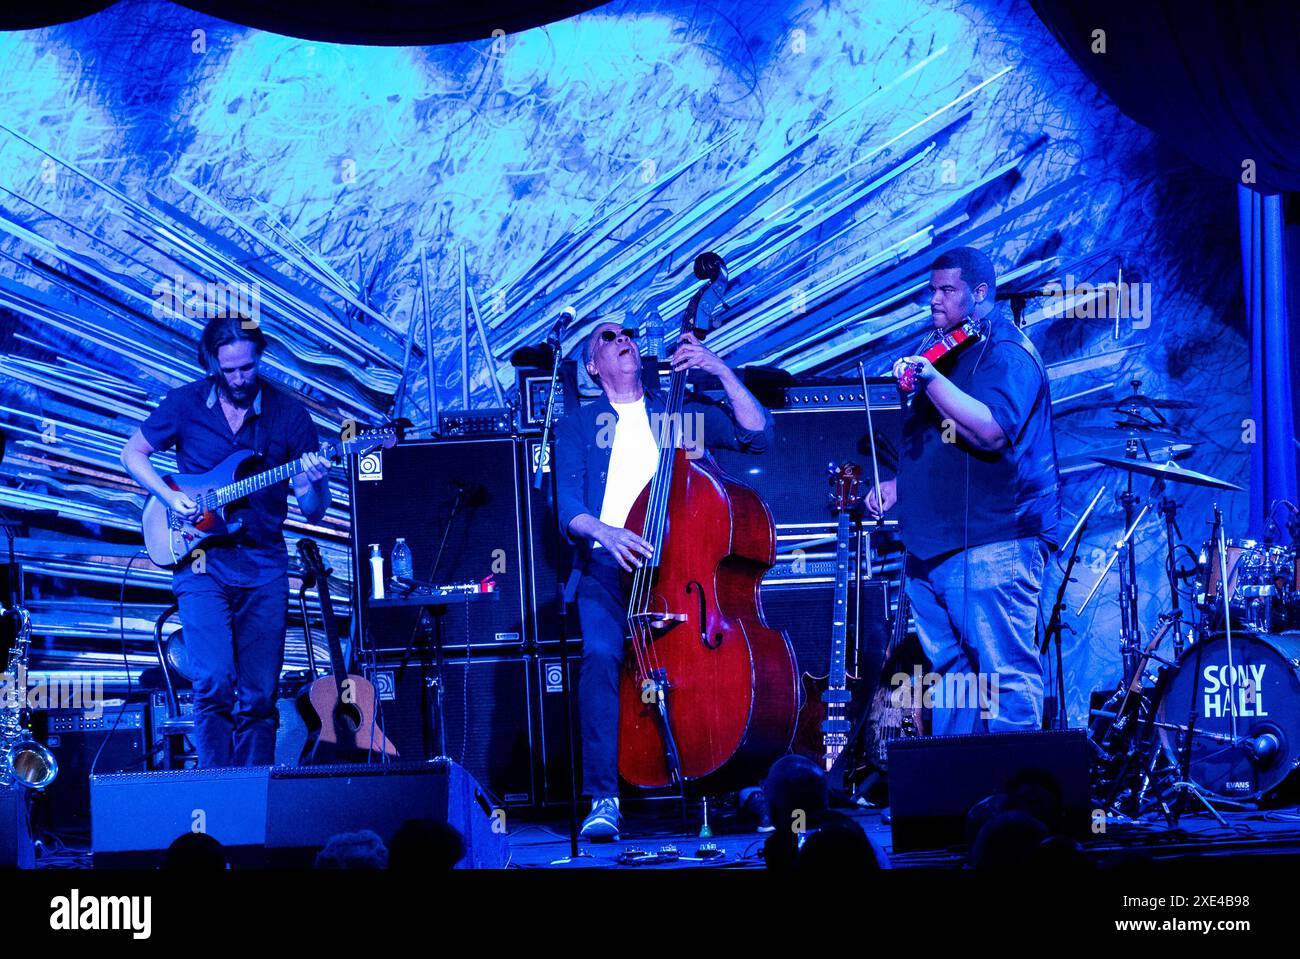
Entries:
{"x":976,"y":612}
{"x":234,"y":636}
{"x":602,"y":613}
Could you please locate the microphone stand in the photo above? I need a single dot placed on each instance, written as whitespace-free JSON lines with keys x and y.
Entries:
{"x":546,"y":463}
{"x":1056,"y":623}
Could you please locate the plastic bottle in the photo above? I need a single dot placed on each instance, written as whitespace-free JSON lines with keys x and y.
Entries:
{"x":401,"y":563}
{"x":376,"y":572}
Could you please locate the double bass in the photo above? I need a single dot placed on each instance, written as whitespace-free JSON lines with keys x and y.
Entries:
{"x":710,"y":691}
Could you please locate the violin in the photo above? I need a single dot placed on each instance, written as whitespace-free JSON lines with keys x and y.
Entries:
{"x":950,"y":342}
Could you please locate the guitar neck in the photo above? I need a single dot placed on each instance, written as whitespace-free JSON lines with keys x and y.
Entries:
{"x":337,"y":666}
{"x":258,"y":481}
{"x":839,"y":627}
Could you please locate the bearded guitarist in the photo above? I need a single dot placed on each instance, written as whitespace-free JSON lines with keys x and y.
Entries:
{"x":979,"y":501}
{"x":234,"y":595}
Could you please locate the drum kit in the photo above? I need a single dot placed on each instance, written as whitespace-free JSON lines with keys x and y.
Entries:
{"x":1217,"y":717}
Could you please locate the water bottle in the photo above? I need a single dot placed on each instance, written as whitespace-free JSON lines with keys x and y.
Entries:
{"x":400,"y":561}
{"x":654,"y":335}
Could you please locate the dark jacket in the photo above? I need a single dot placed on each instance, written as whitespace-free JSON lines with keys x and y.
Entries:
{"x":582,"y":463}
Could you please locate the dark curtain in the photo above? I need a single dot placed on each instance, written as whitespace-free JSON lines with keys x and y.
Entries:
{"x":1219,"y":81}
{"x":1269,"y":268}
{"x":370,"y":22}
{"x":390,"y":22}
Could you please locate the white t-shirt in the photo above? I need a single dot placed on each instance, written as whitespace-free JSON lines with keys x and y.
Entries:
{"x":632,"y":462}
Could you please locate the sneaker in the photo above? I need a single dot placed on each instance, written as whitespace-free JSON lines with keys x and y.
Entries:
{"x":602,"y":823}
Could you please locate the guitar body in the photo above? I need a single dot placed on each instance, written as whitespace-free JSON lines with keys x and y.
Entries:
{"x":894,"y":714}
{"x":170,"y":541}
{"x":339,"y":731}
{"x":223,"y":493}
{"x":809,"y":737}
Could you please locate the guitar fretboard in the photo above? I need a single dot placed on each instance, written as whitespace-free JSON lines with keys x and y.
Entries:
{"x":250,"y":484}
{"x":836,"y":677}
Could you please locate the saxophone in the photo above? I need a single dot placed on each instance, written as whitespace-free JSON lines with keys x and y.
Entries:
{"x":23,"y":761}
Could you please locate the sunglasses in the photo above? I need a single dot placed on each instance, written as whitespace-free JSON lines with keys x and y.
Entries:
{"x":609,"y":336}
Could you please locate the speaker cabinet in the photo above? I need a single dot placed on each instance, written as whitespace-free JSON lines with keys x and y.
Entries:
{"x":306,"y":805}
{"x":114,"y":741}
{"x":466,"y":492}
{"x":806,"y":611}
{"x":816,"y":426}
{"x":282,"y":815}
{"x":550,"y":555}
{"x":487,"y":704}
{"x":553,"y":746}
{"x":16,"y":848}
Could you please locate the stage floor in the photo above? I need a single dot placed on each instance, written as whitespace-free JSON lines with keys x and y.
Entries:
{"x":545,"y":844}
{"x":654,"y":837}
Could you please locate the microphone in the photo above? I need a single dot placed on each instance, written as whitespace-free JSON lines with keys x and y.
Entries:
{"x":1263,"y":748}
{"x":567,"y":316}
{"x":470,"y":494}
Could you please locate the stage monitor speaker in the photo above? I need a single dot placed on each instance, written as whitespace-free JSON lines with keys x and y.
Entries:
{"x":934,"y":781}
{"x":306,"y":805}
{"x":486,"y":701}
{"x":411,"y":491}
{"x":814,"y":427}
{"x":283,"y":815}
{"x":136,"y":816}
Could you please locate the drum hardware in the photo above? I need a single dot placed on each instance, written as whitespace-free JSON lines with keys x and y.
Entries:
{"x":1130,"y":632}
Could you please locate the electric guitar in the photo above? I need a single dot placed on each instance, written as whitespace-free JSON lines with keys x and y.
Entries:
{"x":824,"y":723}
{"x":222,"y":494}
{"x":339,"y":709}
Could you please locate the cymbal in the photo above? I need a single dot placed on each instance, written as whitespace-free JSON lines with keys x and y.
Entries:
{"x":1134,"y":400}
{"x":1169,"y":470}
{"x":1087,"y":460}
{"x":1114,"y":432}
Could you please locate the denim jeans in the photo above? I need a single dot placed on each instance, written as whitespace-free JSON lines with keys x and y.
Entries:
{"x":976,"y":611}
{"x":234,"y":636}
{"x":602,"y":613}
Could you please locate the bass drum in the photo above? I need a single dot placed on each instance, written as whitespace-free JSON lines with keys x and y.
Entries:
{"x":1262,"y":685}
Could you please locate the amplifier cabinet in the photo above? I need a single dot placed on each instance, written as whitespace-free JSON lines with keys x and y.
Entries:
{"x":816,"y":427}
{"x":467,"y":492}
{"x":487,"y":702}
{"x":553,"y":746}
